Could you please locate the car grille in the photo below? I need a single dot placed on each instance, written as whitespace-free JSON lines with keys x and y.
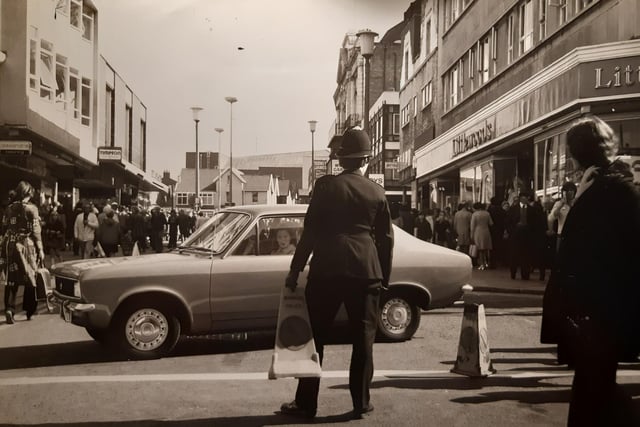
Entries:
{"x":65,"y":286}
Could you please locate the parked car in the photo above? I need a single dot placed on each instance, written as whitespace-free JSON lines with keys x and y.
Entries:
{"x":227,"y":277}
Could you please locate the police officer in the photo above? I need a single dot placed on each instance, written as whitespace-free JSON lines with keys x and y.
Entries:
{"x":348,"y":229}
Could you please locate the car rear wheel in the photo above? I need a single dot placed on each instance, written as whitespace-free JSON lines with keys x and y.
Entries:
{"x":145,"y":331}
{"x":398,"y":319}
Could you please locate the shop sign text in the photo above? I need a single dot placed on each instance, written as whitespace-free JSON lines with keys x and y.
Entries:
{"x":627,"y":76}
{"x":109,"y":154}
{"x":471,"y":139}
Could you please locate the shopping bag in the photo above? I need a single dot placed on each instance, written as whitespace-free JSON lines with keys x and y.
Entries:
{"x":43,"y":282}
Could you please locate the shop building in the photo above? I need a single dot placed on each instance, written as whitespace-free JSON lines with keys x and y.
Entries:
{"x":419,"y":87}
{"x":68,"y":123}
{"x":515,"y":75}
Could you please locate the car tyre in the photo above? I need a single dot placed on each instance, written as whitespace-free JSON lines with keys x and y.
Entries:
{"x":398,"y":319}
{"x":99,"y":335}
{"x":144,"y":331}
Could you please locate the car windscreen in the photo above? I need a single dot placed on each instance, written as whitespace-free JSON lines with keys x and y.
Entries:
{"x":217,"y":233}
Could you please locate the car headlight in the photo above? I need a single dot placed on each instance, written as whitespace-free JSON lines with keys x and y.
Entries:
{"x":76,"y":289}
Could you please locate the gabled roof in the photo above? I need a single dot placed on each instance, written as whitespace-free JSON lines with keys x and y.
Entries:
{"x":257,"y":182}
{"x":187,"y":179}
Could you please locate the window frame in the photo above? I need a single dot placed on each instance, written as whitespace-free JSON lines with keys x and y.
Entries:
{"x":74,"y":75}
{"x":86,"y":89}
{"x":47,"y":52}
{"x":525,"y":35}
{"x":89,"y":17}
{"x":182,"y":198}
{"x":62,"y":63}
{"x":77,"y":5}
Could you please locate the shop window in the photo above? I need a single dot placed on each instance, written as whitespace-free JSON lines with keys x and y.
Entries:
{"x":562,"y":11}
{"x":33,"y":59}
{"x":510,"y":37}
{"x":553,"y":166}
{"x":86,"y":101}
{"x":426,"y":94}
{"x":62,"y":76}
{"x":542,"y":19}
{"x":87,"y":22}
{"x":182,"y":198}
{"x":628,"y":131}
{"x":74,"y":92}
{"x":526,"y":26}
{"x":62,"y":6}
{"x":47,"y":75}
{"x":484,"y":59}
{"x":75,"y":17}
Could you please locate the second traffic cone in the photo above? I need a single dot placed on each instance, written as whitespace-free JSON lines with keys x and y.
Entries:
{"x":474,"y":358}
{"x":136,"y":250}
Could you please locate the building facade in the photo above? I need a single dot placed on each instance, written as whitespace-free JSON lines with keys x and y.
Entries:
{"x":64,"y":122}
{"x":514,"y":75}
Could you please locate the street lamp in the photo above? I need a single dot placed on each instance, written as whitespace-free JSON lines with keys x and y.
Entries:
{"x":366,"y":50}
{"x":231,"y":100}
{"x":219,"y":130}
{"x":196,"y":112}
{"x":312,"y":128}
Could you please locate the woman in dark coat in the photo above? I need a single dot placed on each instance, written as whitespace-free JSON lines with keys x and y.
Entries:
{"x":591,"y":301}
{"x":21,"y":251}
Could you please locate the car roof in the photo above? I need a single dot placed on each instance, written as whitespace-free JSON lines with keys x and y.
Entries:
{"x":257,"y":210}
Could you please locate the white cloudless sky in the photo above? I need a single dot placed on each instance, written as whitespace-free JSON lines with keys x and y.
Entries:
{"x":175,"y":54}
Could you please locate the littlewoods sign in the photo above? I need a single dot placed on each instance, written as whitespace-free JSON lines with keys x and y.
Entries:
{"x":110,"y":154}
{"x":472,"y":138}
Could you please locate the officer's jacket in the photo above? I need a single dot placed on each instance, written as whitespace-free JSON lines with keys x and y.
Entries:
{"x":348,"y":229}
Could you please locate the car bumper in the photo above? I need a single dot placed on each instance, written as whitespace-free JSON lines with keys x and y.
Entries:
{"x":80,"y":313}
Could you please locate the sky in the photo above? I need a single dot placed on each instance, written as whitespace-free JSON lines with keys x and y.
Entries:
{"x":175,"y":54}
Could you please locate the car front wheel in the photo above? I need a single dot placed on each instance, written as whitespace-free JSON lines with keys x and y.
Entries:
{"x":398,"y":319}
{"x":145,"y":331}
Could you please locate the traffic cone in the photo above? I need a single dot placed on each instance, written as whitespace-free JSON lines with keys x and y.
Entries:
{"x":474,"y":358}
{"x":295,"y":353}
{"x":135,"y":251}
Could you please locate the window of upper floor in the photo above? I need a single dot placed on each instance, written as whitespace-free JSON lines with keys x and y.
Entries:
{"x":426,"y":94}
{"x":395,"y":124}
{"x":453,"y":9}
{"x":182,"y":198}
{"x":526,"y":26}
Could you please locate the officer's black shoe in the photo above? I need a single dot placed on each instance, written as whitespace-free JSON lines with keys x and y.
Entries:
{"x":361,"y":413}
{"x":293,"y":409}
{"x":9,"y":317}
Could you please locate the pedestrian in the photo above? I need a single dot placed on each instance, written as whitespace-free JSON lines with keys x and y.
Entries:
{"x":497,"y":213}
{"x":429,"y":216}
{"x":591,"y":300}
{"x":540,"y":247}
{"x":21,"y":251}
{"x":184,"y":225}
{"x":77,"y":210}
{"x":518,"y":224}
{"x":396,"y":218}
{"x":109,"y":232}
{"x":157,"y":223}
{"x":560,"y":211}
{"x":84,"y":230}
{"x":172,"y":221}
{"x":462,"y":227}
{"x":481,"y":235}
{"x":422,"y":228}
{"x":53,"y":234}
{"x":348,"y":229}
{"x":442,"y":229}
{"x":200,"y":220}
{"x":138,"y":229}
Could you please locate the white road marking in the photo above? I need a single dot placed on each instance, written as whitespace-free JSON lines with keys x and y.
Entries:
{"x":254,"y":376}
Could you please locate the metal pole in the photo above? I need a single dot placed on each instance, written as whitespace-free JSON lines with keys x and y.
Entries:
{"x":367,"y":67}
{"x":196,"y":202}
{"x":313,"y":163}
{"x":231,"y":153}
{"x":219,"y":171}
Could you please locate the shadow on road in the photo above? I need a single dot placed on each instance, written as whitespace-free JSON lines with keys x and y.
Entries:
{"x":275,"y":419}
{"x":551,"y":349}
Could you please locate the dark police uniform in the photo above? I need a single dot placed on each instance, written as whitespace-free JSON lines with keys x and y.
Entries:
{"x":348,"y":229}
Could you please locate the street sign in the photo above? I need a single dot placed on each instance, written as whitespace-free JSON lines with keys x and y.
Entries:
{"x":391,"y":165}
{"x":15,"y":148}
{"x":378,"y":178}
{"x":109,"y":154}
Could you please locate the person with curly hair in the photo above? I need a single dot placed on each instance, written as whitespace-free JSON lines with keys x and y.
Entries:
{"x":21,"y":251}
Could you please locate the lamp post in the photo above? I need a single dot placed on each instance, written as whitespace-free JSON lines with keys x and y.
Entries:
{"x":196,"y":112}
{"x":231,"y":100}
{"x":366,"y":50}
{"x":312,"y":128}
{"x":219,"y":130}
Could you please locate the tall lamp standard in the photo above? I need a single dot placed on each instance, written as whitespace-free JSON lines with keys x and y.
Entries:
{"x":196,"y":112}
{"x":219,"y":130}
{"x":312,"y":128}
{"x":366,"y":50}
{"x":231,"y":100}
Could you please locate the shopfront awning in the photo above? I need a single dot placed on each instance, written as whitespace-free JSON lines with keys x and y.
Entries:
{"x":147,"y":181}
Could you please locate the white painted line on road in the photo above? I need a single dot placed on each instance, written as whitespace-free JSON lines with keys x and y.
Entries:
{"x":253,"y":376}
